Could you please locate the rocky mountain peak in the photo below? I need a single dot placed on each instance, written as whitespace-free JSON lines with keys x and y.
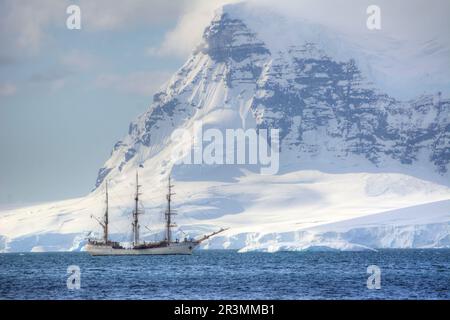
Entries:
{"x":328,"y":110}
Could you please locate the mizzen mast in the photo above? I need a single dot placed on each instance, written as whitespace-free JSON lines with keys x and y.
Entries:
{"x":169,"y":213}
{"x":106,"y":218}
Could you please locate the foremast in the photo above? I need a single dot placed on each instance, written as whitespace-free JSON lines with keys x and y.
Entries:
{"x":105,"y":223}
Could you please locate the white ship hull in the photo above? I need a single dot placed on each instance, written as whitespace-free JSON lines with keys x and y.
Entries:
{"x":173,"y":248}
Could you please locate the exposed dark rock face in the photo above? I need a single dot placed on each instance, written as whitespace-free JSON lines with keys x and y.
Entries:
{"x":320,"y":105}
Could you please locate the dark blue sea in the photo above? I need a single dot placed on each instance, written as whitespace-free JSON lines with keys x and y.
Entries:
{"x":405,"y":274}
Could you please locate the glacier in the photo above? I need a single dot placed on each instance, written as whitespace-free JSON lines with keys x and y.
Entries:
{"x":360,"y":169}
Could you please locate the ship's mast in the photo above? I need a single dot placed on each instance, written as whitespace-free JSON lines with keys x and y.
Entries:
{"x":169,"y":214}
{"x":136,"y":213}
{"x":106,"y":219}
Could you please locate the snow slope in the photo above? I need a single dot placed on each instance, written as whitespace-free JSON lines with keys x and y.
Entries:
{"x":359,"y":169}
{"x":294,"y":211}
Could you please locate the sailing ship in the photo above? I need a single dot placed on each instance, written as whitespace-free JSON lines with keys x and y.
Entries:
{"x":166,"y":246}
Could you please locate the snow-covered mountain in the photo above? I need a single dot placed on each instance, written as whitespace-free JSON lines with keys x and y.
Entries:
{"x":326,"y":108}
{"x":359,"y":168}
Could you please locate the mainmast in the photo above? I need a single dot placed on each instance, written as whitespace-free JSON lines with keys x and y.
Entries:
{"x":106,"y":218}
{"x":136,"y":213}
{"x":169,"y":214}
{"x":105,"y":222}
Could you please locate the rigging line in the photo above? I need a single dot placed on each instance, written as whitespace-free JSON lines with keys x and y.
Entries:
{"x":112,"y":226}
{"x":152,"y":206}
{"x":183,"y":232}
{"x":153,"y":218}
{"x":120,"y":209}
{"x":123,"y":235}
{"x":115,"y":195}
{"x":152,"y":200}
{"x":183,"y":194}
{"x":131,"y":196}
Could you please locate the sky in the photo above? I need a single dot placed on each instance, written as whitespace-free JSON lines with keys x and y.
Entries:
{"x":66,"y":96}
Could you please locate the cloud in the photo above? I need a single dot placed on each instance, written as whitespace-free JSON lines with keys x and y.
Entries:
{"x":49,"y":75}
{"x":26,"y":24}
{"x":187,"y":34}
{"x":77,"y":60}
{"x":141,"y":82}
{"x":414,"y":20}
{"x":70,"y":64}
{"x":7,"y":89}
{"x":100,"y":15}
{"x":405,"y":19}
{"x":23,"y":23}
{"x":54,"y":78}
{"x":28,"y":21}
{"x":6,"y":60}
